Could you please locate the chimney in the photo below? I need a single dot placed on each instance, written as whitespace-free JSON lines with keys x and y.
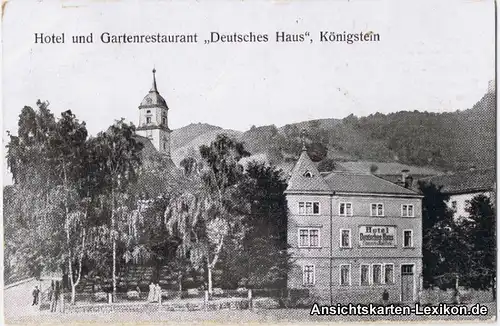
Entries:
{"x":404,"y":175}
{"x":408,"y":181}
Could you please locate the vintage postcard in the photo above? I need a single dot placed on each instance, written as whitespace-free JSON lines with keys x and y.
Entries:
{"x":249,"y":162}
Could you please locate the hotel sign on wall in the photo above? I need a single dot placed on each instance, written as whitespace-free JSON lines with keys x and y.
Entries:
{"x":377,"y":236}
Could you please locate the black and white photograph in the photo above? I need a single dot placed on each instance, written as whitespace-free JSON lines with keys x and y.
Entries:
{"x":267,"y":162}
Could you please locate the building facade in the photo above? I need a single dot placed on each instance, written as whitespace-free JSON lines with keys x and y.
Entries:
{"x":153,"y":119}
{"x":462,"y":186}
{"x":352,"y":236}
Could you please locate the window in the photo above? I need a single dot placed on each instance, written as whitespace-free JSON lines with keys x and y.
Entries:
{"x":308,"y":277}
{"x":308,"y":174}
{"x":302,"y":210}
{"x":377,"y":210}
{"x":314,"y":238}
{"x":316,"y":208}
{"x":454,"y":205}
{"x":148,"y":111}
{"x":308,"y":208}
{"x":389,"y":274}
{"x":345,"y":209}
{"x":308,"y":237}
{"x":365,"y":275}
{"x":148,"y":119}
{"x":377,"y":274}
{"x":407,"y":211}
{"x":345,"y":274}
{"x":407,"y":238}
{"x":345,"y":238}
{"x":164,"y":120}
{"x":407,"y":269}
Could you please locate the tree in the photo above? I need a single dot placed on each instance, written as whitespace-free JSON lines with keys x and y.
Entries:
{"x":67,"y":153}
{"x":439,"y":238}
{"x":317,"y":151}
{"x":48,"y":161}
{"x":261,"y":258}
{"x":189,"y":165}
{"x":205,"y":217}
{"x":326,"y":165}
{"x":480,"y":228}
{"x":220,"y":178}
{"x":274,"y":155}
{"x":119,"y":163}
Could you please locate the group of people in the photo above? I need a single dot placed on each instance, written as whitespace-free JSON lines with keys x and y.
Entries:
{"x":154,"y":292}
{"x":53,"y":295}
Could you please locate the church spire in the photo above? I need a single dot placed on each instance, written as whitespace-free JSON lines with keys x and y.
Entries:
{"x":153,"y":88}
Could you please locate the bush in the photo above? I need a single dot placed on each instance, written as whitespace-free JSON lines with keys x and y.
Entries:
{"x":326,"y":165}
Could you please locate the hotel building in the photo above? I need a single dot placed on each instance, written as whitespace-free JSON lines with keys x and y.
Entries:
{"x":352,"y":236}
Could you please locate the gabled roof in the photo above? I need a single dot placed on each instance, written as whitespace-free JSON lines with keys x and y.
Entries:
{"x":465,"y":181}
{"x":387,"y":168}
{"x":339,"y":181}
{"x":364,"y":183}
{"x":305,"y":177}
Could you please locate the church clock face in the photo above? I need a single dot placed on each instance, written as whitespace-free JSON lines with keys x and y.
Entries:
{"x":148,"y":100}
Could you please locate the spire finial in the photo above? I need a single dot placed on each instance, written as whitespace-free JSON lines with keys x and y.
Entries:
{"x":303,"y":139}
{"x":153,"y":88}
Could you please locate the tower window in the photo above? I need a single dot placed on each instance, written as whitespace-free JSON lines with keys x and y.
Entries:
{"x":164,"y":120}
{"x":148,"y":119}
{"x":148,"y":111}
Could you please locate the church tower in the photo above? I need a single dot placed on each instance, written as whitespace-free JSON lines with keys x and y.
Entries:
{"x":153,"y":119}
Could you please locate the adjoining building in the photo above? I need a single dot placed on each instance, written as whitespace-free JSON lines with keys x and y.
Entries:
{"x":390,"y":171}
{"x":462,"y":186}
{"x":353,"y":235}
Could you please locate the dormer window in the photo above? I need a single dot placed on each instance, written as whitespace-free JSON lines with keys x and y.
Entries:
{"x":308,"y":174}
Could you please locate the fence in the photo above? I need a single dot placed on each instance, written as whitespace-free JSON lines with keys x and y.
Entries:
{"x":194,"y":299}
{"x":191,"y":299}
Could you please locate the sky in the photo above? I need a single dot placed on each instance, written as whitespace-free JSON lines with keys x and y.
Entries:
{"x":432,"y":55}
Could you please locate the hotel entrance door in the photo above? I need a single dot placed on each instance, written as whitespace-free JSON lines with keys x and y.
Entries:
{"x":407,"y":283}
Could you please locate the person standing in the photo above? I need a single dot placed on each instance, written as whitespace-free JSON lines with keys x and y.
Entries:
{"x":155,"y":293}
{"x":36,"y":293}
{"x":385,"y":297}
{"x":158,"y":292}
{"x":151,"y":292}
